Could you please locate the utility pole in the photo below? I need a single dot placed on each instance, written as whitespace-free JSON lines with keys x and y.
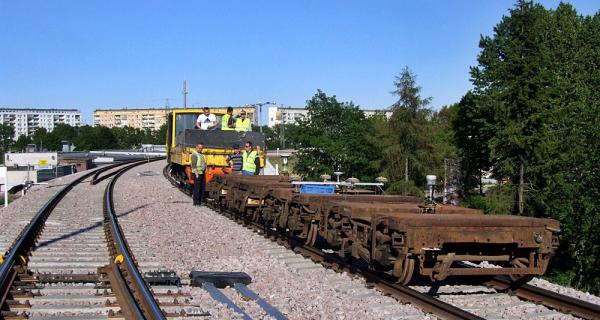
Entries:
{"x":445,"y":199}
{"x":260,"y":115}
{"x":184,"y":92}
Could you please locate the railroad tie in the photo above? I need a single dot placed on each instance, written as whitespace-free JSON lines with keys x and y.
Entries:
{"x":307,"y":268}
{"x":382,"y":306}
{"x":404,"y":316}
{"x":276,"y":250}
{"x":285,"y":256}
{"x":361,"y":296}
{"x":346,"y":288}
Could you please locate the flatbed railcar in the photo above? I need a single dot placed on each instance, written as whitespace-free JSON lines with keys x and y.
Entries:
{"x":397,"y":235}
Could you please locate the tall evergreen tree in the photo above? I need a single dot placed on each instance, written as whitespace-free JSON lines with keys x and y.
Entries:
{"x":513,"y":79}
{"x":537,"y":102}
{"x":472,"y":126}
{"x":405,"y":158}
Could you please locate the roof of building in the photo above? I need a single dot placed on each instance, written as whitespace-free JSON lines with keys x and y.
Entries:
{"x":37,"y":109}
{"x":133,"y":109}
{"x":178,"y":108}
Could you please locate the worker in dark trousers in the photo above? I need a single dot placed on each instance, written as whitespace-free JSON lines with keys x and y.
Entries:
{"x":234,"y":160}
{"x":198,"y":167}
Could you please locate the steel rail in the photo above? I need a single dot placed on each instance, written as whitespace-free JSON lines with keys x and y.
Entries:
{"x":149,"y":305}
{"x":26,"y":240}
{"x":563,"y":303}
{"x":96,"y":177}
{"x":426,"y":302}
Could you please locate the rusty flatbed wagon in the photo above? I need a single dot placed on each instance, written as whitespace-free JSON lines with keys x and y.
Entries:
{"x":394,"y":234}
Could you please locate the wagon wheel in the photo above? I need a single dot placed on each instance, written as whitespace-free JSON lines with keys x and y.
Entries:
{"x":403,"y":269}
{"x":520,"y":263}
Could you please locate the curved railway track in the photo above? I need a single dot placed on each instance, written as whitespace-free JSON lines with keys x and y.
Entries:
{"x":63,"y":264}
{"x":425,"y":300}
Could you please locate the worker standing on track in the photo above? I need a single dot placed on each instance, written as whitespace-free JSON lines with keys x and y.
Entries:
{"x":235,"y":160}
{"x":198,"y":168}
{"x":250,"y":160}
{"x":227,"y":121}
{"x":242,"y":123}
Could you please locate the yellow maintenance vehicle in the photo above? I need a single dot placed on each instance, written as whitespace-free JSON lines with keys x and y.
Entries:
{"x":183,"y":135}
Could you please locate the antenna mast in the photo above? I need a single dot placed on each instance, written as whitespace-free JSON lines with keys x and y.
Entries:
{"x":185,"y":92}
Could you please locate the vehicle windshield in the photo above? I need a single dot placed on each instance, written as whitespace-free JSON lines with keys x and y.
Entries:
{"x":188,"y":121}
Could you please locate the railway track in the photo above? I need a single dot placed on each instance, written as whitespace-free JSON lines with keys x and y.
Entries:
{"x":530,"y":296}
{"x":565,"y":304}
{"x":72,"y":261}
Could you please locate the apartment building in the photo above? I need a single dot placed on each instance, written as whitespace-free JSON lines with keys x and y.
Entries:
{"x":152,"y":118}
{"x":135,"y":118}
{"x":26,"y":121}
{"x":279,"y":115}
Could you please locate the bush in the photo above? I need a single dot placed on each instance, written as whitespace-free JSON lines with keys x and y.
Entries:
{"x":405,"y":188}
{"x":497,"y":200}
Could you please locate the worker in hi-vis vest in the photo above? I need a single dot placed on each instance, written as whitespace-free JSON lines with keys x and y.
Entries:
{"x":242,"y":123}
{"x":198,"y":168}
{"x":227,"y":121}
{"x":250,"y":160}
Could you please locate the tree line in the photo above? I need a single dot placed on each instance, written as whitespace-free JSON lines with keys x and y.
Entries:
{"x":530,"y":121}
{"x":82,"y":137}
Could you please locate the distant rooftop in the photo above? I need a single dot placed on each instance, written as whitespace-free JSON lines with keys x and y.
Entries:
{"x":169,"y":108}
{"x":131,"y":109}
{"x":35,"y":109}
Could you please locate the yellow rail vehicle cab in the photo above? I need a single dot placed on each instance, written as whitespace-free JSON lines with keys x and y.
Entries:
{"x":183,"y":136}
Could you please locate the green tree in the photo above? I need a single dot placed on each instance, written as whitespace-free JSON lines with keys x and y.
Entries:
{"x":104,"y":138}
{"x":127,"y":137}
{"x":473,"y":126}
{"x":406,"y":153}
{"x":84,"y":140}
{"x":21,"y":144}
{"x":334,"y":138}
{"x":6,"y":139}
{"x":513,"y":79}
{"x":443,"y":152}
{"x":160,"y":135}
{"x":282,"y":136}
{"x":537,"y":101}
{"x":40,"y":138}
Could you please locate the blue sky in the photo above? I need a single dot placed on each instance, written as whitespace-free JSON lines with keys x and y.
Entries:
{"x":97,"y":54}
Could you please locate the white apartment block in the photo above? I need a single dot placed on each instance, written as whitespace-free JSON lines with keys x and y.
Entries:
{"x":279,"y":115}
{"x":26,"y":121}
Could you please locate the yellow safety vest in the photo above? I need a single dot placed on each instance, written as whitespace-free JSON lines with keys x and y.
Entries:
{"x":248,"y":161}
{"x":224,"y":122}
{"x":242,"y":125}
{"x":200,"y":162}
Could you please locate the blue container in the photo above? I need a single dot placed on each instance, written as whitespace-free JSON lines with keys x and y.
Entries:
{"x":317,"y":189}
